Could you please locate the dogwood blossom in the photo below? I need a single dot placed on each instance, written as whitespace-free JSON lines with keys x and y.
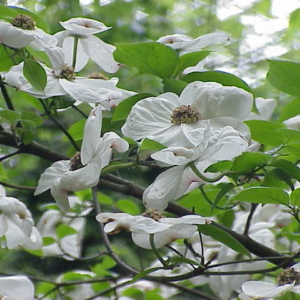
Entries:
{"x":88,"y":46}
{"x":69,"y":247}
{"x":165,"y":230}
{"x":16,"y":224}
{"x":83,"y":170}
{"x":288,"y":280}
{"x":186,"y":44}
{"x":16,"y":288}
{"x":221,"y":144}
{"x":61,"y":81}
{"x":181,"y":121}
{"x":293,"y":123}
{"x":23,"y":32}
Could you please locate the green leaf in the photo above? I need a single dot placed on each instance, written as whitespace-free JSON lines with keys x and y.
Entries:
{"x":6,"y":62}
{"x":108,"y":262}
{"x":27,"y":136}
{"x":263,"y":195}
{"x":3,"y":175}
{"x":128,"y":206}
{"x":219,"y":166}
{"x":284,"y":76}
{"x":189,"y":60}
{"x":223,"y":237}
{"x":264,"y":132}
{"x":10,"y":115}
{"x":123,"y":109}
{"x":33,"y":117}
{"x":224,"y":78}
{"x":289,"y":135}
{"x":65,"y":230}
{"x":289,"y":110}
{"x":149,"y":58}
{"x":277,"y":178}
{"x":35,"y":74}
{"x":294,"y":20}
{"x":7,"y":13}
{"x":250,"y":160}
{"x":76,"y":130}
{"x":148,"y":144}
{"x":174,"y":85}
{"x":288,"y":167}
{"x":47,"y":241}
{"x":226,"y":187}
{"x":295,"y":197}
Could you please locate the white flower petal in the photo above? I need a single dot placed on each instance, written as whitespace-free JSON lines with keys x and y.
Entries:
{"x":151,"y":117}
{"x":101,"y":53}
{"x":16,"y":287}
{"x":91,"y":137}
{"x":188,"y":219}
{"x":163,"y":189}
{"x":265,"y":108}
{"x":164,"y":237}
{"x":54,"y":172}
{"x":214,"y":100}
{"x":265,"y":289}
{"x":79,"y":92}
{"x":83,"y":26}
{"x":60,"y":196}
{"x":56,"y":56}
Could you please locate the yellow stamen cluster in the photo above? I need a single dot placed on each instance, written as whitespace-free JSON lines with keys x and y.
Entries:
{"x":23,"y":22}
{"x":288,"y":276}
{"x":75,"y":162}
{"x":153,"y":214}
{"x":67,"y":72}
{"x":185,"y":114}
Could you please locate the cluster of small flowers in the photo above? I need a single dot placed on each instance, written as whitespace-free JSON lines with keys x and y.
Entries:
{"x":198,"y":128}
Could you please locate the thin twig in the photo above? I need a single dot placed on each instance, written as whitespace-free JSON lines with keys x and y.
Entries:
{"x":18,"y":187}
{"x":249,"y":219}
{"x":6,"y":97}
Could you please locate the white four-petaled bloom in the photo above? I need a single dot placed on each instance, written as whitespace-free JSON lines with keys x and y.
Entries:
{"x":16,"y":288}
{"x":217,"y":144}
{"x":84,"y":169}
{"x":181,"y":121}
{"x":16,"y":224}
{"x":165,"y":230}
{"x":186,"y":44}
{"x":61,"y":80}
{"x":288,"y":280}
{"x":23,"y":32}
{"x":89,"y":46}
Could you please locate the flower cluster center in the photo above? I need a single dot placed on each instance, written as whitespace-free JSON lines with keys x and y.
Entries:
{"x":67,"y":72}
{"x":153,"y":214}
{"x":185,"y":114}
{"x":23,"y":22}
{"x":75,"y":162}
{"x":289,"y":275}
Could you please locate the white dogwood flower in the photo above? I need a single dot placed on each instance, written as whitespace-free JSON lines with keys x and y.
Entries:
{"x":220,"y":144}
{"x":16,"y":287}
{"x":165,"y":230}
{"x":288,"y":280}
{"x":181,"y":121}
{"x":84,"y":169}
{"x":23,"y":32}
{"x":88,"y":46}
{"x":61,"y":80}
{"x":186,"y":44}
{"x":16,"y":224}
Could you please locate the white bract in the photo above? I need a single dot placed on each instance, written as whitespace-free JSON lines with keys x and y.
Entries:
{"x":88,"y":46}
{"x":69,"y":247}
{"x":186,"y":44}
{"x":288,"y":280}
{"x":61,"y":81}
{"x":165,"y":230}
{"x":84,"y":169}
{"x":16,"y":224}
{"x":293,"y":123}
{"x":265,"y":109}
{"x":16,"y":288}
{"x":181,"y":121}
{"x":220,"y":144}
{"x":24,"y":33}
